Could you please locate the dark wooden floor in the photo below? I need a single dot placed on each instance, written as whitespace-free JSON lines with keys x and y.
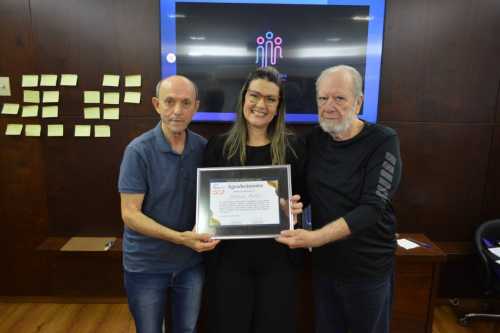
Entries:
{"x":93,"y":318}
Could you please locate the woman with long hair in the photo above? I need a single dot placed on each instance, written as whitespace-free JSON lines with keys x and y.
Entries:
{"x":252,"y":283}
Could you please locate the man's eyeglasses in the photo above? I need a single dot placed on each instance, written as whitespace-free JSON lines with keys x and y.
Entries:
{"x":254,"y":97}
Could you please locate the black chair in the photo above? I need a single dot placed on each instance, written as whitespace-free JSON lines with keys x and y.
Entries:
{"x":490,"y":280}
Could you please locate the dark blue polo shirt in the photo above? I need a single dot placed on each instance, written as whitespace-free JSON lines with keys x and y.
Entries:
{"x":168,"y":181}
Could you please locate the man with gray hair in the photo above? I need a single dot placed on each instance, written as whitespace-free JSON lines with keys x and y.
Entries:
{"x":157,"y":186}
{"x":353,"y":170}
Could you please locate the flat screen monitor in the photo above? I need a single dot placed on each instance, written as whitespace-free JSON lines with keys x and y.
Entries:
{"x":217,"y":43}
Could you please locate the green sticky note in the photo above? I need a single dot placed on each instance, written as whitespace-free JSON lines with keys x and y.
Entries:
{"x":14,"y":129}
{"x":82,"y":130}
{"x":69,"y":80}
{"x":132,"y":81}
{"x":55,"y":130}
{"x":50,"y":111}
{"x":32,"y":130}
{"x":51,"y":96}
{"x":30,"y":111}
{"x":111,"y":98}
{"x":132,"y":97}
{"x":111,"y":113}
{"x":91,"y":97}
{"x":48,"y":80}
{"x":10,"y":108}
{"x":31,"y":96}
{"x":30,"y":81}
{"x":102,"y":131}
{"x":91,"y":113}
{"x":109,"y":80}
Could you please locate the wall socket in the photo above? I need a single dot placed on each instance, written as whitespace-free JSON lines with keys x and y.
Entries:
{"x":4,"y":86}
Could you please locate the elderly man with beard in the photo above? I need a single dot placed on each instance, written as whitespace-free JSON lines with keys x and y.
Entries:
{"x":353,"y":170}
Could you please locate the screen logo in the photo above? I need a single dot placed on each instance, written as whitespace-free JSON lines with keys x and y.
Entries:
{"x":268,"y":49}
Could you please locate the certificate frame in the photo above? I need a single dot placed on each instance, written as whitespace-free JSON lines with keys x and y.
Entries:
{"x":247,"y":207}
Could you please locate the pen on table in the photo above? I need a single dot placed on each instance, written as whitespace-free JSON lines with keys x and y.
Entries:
{"x":422,"y":244}
{"x":108,"y":245}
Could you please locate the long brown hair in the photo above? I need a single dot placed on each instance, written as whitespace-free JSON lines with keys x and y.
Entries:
{"x":277,"y":133}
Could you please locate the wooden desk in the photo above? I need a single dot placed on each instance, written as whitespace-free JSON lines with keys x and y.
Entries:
{"x":99,"y":274}
{"x":417,"y":278}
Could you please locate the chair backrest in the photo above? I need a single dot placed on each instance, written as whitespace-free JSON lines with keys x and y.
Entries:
{"x":488,"y":230}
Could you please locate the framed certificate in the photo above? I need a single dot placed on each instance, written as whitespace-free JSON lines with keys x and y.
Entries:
{"x":243,"y":202}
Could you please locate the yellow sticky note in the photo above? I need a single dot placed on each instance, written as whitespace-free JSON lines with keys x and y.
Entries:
{"x":132,"y":97}
{"x":31,"y":96}
{"x":109,"y":80}
{"x":111,"y":98}
{"x":91,"y":97}
{"x":82,"y":130}
{"x":48,"y":80}
{"x":69,"y":80}
{"x":50,"y":111}
{"x":102,"y":131}
{"x":55,"y":130}
{"x":30,"y":111}
{"x":111,"y":113}
{"x":32,"y":130}
{"x":10,"y":108}
{"x":91,"y":113}
{"x":132,"y":81}
{"x":14,"y":129}
{"x":30,"y":81}
{"x":51,"y":96}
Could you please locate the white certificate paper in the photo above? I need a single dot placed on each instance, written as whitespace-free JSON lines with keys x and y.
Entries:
{"x":244,"y":203}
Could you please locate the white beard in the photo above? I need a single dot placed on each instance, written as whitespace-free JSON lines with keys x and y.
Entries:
{"x":334,"y":128}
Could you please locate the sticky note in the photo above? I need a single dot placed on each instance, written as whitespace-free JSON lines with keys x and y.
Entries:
{"x":91,"y":97}
{"x":111,"y":98}
{"x":51,"y":96}
{"x":30,"y":111}
{"x":14,"y":129}
{"x":30,"y":81}
{"x":55,"y":130}
{"x":102,"y":131}
{"x":109,"y":80}
{"x":132,"y":97}
{"x":31,"y":96}
{"x":10,"y":108}
{"x":111,"y":113}
{"x":132,"y":81}
{"x":48,"y":80}
{"x":50,"y":111}
{"x":32,"y":130}
{"x":91,"y":113}
{"x":69,"y":80}
{"x":82,"y":130}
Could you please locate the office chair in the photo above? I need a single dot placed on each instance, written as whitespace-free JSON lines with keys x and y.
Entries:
{"x":487,"y":235}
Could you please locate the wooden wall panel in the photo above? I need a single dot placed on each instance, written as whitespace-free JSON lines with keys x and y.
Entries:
{"x":94,"y":37}
{"x":491,"y":208}
{"x":23,"y":206}
{"x":82,"y":177}
{"x":444,"y":174}
{"x":439,"y":61}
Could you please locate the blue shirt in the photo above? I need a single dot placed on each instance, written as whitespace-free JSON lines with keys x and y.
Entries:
{"x":168,"y":181}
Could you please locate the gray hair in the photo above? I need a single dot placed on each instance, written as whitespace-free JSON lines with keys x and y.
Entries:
{"x":158,"y":86}
{"x":357,"y":80}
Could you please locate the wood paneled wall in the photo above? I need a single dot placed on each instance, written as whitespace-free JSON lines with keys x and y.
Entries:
{"x":439,"y":90}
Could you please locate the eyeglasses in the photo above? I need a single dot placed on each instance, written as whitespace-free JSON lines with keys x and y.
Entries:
{"x":254,"y":97}
{"x":337,"y":100}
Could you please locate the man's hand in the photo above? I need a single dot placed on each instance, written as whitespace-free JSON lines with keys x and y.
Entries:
{"x":198,"y":242}
{"x":295,"y":204}
{"x":300,"y":238}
